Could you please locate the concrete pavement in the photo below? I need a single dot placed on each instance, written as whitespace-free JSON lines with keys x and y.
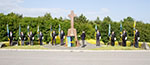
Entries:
{"x":74,"y":57}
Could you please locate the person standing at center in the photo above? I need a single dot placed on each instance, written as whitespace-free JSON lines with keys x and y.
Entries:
{"x":83,"y":38}
{"x":98,"y":37}
{"x":62,"y":36}
{"x":113,"y":38}
{"x":11,"y":38}
{"x":54,"y":37}
{"x":137,"y":38}
{"x":124,"y":38}
{"x":31,"y":37}
{"x":22,"y":37}
{"x":41,"y":38}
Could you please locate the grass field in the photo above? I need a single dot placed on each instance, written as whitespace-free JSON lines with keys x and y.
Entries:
{"x":25,"y":47}
{"x":91,"y":41}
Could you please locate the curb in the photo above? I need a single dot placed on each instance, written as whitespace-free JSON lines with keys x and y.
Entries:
{"x":75,"y":50}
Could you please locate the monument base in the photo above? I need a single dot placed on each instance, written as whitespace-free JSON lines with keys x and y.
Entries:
{"x":73,"y":33}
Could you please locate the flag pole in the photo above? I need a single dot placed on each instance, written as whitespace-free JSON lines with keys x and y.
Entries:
{"x":95,"y":30}
{"x":109,"y":32}
{"x":121,"y":32}
{"x":19,"y":32}
{"x":134,"y":25}
{"x":8,"y":32}
{"x":38,"y":33}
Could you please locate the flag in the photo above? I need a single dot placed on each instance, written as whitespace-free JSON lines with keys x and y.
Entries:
{"x":28,"y":28}
{"x":95,"y":30}
{"x":134,"y":25}
{"x":59,"y":29}
{"x":109,"y":30}
{"x":120,"y":32}
{"x":19,"y":29}
{"x":38,"y":31}
{"x":7,"y":31}
{"x":120,"y":28}
{"x":50,"y":30}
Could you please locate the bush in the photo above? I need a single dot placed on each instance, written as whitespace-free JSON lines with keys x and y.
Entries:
{"x":128,"y":43}
{"x":93,"y":41}
{"x":116,"y":43}
{"x":6,"y":43}
{"x":140,"y":44}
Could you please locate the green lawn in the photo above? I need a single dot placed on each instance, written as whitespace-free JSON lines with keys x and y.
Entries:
{"x":92,"y":41}
{"x":25,"y":47}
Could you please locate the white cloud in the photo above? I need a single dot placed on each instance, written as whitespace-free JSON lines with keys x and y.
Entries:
{"x":34,"y":12}
{"x":7,"y":6}
{"x":92,"y":15}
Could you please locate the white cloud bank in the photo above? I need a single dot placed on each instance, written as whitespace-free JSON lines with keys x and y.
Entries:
{"x":7,"y":6}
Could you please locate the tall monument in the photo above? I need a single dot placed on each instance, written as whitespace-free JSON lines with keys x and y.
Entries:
{"x":72,"y":31}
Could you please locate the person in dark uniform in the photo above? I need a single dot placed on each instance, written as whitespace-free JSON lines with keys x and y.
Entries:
{"x":124,"y":38}
{"x":22,"y":37}
{"x":137,"y":38}
{"x":11,"y":38}
{"x":62,"y":36}
{"x":113,"y":38}
{"x":31,"y":37}
{"x":54,"y":37}
{"x":41,"y":38}
{"x":83,"y":38}
{"x":98,"y":37}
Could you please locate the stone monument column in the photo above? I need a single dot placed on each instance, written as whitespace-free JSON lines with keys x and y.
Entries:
{"x":72,"y":31}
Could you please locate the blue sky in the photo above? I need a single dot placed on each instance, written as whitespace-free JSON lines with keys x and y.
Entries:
{"x":116,"y":9}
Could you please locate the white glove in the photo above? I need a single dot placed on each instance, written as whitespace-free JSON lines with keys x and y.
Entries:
{"x":24,"y":38}
{"x":125,"y":38}
{"x":114,"y":38}
{"x":19,"y":38}
{"x":32,"y":38}
{"x":138,"y":38}
{"x":64,"y":37}
{"x":55,"y":37}
{"x":121,"y":35}
{"x":100,"y":37}
{"x":42,"y":37}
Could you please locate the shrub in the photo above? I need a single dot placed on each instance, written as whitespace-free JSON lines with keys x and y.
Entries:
{"x":128,"y":43}
{"x":116,"y":43}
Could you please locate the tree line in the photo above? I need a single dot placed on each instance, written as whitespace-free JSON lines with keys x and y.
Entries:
{"x":81,"y":23}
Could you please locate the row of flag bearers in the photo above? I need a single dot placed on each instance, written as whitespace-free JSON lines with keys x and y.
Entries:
{"x":123,"y":36}
{"x":83,"y":36}
{"x":22,"y":38}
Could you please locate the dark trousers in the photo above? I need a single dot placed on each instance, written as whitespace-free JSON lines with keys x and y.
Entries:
{"x":53,"y":41}
{"x":97,"y":42}
{"x":22,"y":42}
{"x":136,"y":44}
{"x":124,"y":43}
{"x":11,"y":42}
{"x":112,"y":43}
{"x":62,"y":42}
{"x":41,"y":42}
